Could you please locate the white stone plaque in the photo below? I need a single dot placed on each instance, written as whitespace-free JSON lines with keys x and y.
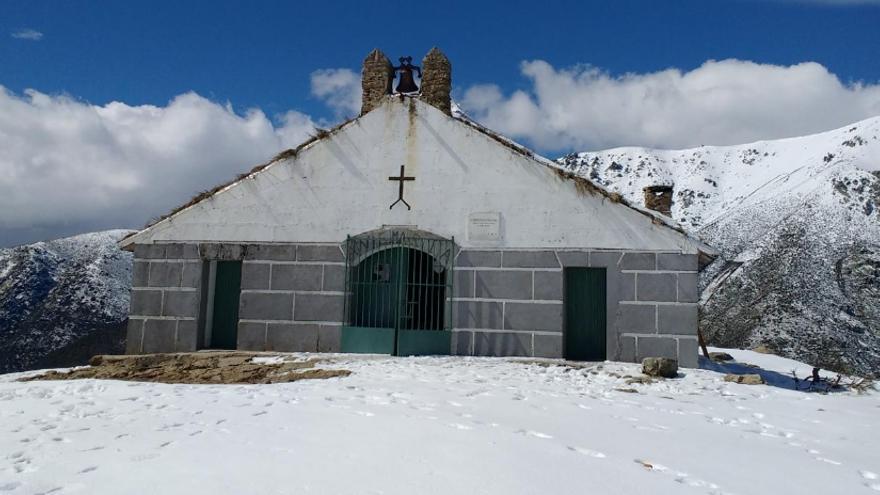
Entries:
{"x":484,"y":226}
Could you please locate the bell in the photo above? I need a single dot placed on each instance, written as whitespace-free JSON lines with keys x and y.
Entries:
{"x":407,"y":83}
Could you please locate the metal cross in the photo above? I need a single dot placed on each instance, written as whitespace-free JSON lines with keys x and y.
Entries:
{"x":401,"y":180}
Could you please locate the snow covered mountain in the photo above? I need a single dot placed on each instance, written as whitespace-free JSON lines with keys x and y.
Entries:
{"x":798,"y":224}
{"x":62,"y":301}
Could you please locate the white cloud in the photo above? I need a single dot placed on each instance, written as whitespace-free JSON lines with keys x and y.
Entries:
{"x":65,"y":163}
{"x":721,"y":102}
{"x":27,"y":34}
{"x":340,"y":89}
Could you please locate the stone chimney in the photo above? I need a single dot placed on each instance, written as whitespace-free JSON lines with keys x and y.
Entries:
{"x":376,"y":78}
{"x":659,"y":199}
{"x":437,"y":80}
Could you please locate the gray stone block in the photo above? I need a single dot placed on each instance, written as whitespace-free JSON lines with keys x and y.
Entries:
{"x":637,"y":318}
{"x":159,"y":336}
{"x":503,"y":284}
{"x":660,"y":287}
{"x":502,"y":344}
{"x":270,"y":252}
{"x":319,"y":252}
{"x":149,"y":251}
{"x":140,"y":273}
{"x":254,"y":276}
{"x":679,"y":319}
{"x":688,"y":287}
{"x":604,"y":259}
{"x":190,"y":252}
{"x":181,"y":251}
{"x":289,"y":337}
{"x":478,"y":314}
{"x":318,"y":307}
{"x":638,"y":261}
{"x":532,"y":316}
{"x":146,"y":302}
{"x":251,"y":336}
{"x":222,"y":252}
{"x":677,"y":262}
{"x":548,"y":285}
{"x":334,"y":278}
{"x":626,"y":349}
{"x":329,"y":337}
{"x":192,"y":274}
{"x":483,"y":259}
{"x":266,"y":306}
{"x":181,"y":303}
{"x":623,"y":288}
{"x":548,"y":346}
{"x":656,"y":347}
{"x":529,"y":259}
{"x":133,"y":336}
{"x":461,"y":343}
{"x":688,"y":352}
{"x":187,"y":336}
{"x":464,"y":283}
{"x":165,"y":273}
{"x":297,"y":277}
{"x":574,"y":258}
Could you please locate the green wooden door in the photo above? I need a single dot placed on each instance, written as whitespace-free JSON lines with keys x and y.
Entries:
{"x":227,"y":289}
{"x":585,"y":314}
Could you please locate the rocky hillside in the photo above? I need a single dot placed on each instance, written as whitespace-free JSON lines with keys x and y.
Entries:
{"x":798,"y":224}
{"x":62,"y":301}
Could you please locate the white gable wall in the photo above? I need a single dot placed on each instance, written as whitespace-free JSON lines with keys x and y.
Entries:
{"x":339,"y":186}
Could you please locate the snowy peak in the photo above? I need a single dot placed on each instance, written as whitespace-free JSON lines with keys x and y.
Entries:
{"x":798,"y":224}
{"x":57,"y":294}
{"x":710,"y":181}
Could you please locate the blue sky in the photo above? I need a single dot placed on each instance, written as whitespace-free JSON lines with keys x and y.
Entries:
{"x":260,"y":53}
{"x":113,"y":112}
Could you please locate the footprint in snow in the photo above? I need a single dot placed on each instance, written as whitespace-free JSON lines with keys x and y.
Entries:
{"x":536,"y":434}
{"x":459,"y":426}
{"x":144,"y":457}
{"x":8,"y":487}
{"x":88,"y":469}
{"x":587,"y":452}
{"x":829,"y":461}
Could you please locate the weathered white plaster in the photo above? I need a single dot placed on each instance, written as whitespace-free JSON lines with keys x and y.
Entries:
{"x":339,"y":186}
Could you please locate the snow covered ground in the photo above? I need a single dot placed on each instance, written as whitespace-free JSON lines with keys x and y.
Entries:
{"x":442,"y":425}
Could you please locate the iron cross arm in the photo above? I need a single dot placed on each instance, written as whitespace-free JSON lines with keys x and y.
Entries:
{"x":401,"y":179}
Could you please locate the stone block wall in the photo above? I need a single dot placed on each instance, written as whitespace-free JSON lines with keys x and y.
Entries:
{"x":165,"y":299}
{"x":510,"y":303}
{"x":292,"y":298}
{"x":506,"y":303}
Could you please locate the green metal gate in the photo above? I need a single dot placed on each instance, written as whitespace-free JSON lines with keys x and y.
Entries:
{"x":398,"y":286}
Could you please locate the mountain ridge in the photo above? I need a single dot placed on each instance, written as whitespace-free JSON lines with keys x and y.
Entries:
{"x":796,"y":221}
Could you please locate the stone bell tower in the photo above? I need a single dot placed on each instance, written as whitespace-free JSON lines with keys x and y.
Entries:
{"x":376,"y":78}
{"x":437,"y":80}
